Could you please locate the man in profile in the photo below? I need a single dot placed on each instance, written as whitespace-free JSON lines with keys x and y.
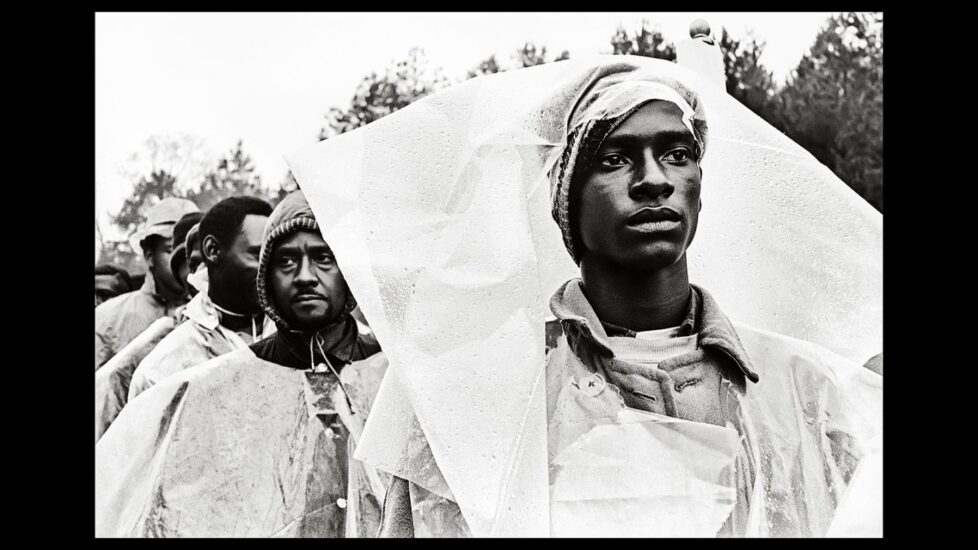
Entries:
{"x":227,"y":317}
{"x":120,"y":319}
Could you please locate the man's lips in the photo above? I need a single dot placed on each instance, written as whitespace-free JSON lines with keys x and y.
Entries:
{"x":654,"y":220}
{"x":309,"y":298}
{"x":649,"y":214}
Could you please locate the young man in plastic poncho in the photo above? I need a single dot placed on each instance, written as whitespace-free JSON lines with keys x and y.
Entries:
{"x":112,"y":380}
{"x":256,"y":446}
{"x":227,"y":317}
{"x":664,"y":418}
{"x":119,"y":320}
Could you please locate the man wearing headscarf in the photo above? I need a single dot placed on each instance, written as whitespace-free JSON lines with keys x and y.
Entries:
{"x":227,"y":317}
{"x":663,"y":418}
{"x":246,"y":446}
{"x":119,"y":320}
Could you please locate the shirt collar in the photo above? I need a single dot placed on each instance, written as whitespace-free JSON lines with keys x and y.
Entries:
{"x":704,"y":317}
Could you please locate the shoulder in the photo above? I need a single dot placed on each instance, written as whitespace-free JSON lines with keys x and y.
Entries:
{"x":777,"y":356}
{"x":109,"y":309}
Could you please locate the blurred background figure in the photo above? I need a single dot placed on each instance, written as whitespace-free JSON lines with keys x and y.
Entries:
{"x":179,"y":259}
{"x":111,"y":281}
{"x":122,"y":318}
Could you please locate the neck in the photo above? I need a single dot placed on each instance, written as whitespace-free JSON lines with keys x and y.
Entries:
{"x":636,"y":300}
{"x":171,"y":296}
{"x":335,"y":339}
{"x":240,"y":316}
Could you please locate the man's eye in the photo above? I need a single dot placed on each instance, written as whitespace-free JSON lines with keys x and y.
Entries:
{"x":613,"y":159}
{"x":324,"y":259}
{"x":286,"y":261}
{"x":679,"y":155}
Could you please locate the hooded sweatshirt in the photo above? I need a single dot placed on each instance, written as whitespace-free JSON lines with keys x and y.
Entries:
{"x":343,"y":341}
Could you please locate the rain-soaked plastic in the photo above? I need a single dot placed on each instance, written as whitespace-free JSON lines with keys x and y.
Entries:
{"x":440,"y":217}
{"x":112,"y":380}
{"x":240,"y":447}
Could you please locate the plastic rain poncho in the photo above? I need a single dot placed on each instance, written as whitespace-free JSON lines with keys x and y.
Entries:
{"x":441,"y":214}
{"x":112,"y":380}
{"x":119,"y":320}
{"x":240,"y":447}
{"x":197,"y":339}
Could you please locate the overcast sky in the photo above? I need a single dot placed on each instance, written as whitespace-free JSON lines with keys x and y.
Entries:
{"x":269,"y":78}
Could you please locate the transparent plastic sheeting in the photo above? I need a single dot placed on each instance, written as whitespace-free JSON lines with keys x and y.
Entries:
{"x":112,"y":380}
{"x":439,"y":215}
{"x":240,"y":447}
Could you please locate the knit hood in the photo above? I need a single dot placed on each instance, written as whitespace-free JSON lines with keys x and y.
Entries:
{"x":291,"y":215}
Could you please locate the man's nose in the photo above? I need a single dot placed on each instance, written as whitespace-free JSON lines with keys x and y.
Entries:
{"x":651,"y":181}
{"x":306,"y":272}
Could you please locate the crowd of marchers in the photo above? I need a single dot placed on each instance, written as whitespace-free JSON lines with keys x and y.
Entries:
{"x":233,"y":384}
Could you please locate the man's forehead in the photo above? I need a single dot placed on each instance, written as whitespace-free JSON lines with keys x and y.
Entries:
{"x":303,"y":238}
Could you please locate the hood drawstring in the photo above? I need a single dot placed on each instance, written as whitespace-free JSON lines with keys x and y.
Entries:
{"x":328,"y":365}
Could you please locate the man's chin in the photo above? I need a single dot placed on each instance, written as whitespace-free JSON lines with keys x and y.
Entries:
{"x":652,"y":260}
{"x":307,"y":322}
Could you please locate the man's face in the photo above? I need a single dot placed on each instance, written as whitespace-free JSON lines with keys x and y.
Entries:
{"x":182,"y":273}
{"x":305,"y":282}
{"x":158,"y":258}
{"x":640,"y":199}
{"x":239,"y":267}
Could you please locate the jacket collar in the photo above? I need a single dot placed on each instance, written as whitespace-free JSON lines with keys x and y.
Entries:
{"x":579,"y":321}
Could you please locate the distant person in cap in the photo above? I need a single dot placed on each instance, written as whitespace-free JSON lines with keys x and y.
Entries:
{"x":227,"y":316}
{"x":120,"y":319}
{"x":179,"y":264}
{"x":111,"y":281}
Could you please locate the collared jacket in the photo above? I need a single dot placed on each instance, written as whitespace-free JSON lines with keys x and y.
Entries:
{"x":119,"y":320}
{"x":795,"y":422}
{"x":199,"y":338}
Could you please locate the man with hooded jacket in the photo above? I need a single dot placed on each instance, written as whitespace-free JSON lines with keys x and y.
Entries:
{"x":252,"y":447}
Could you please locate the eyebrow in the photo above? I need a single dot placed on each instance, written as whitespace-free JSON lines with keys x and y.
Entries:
{"x":294,"y":249}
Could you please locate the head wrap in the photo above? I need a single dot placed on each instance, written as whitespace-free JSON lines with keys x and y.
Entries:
{"x":608,"y":103}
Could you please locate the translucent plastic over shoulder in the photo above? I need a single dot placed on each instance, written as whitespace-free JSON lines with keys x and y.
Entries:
{"x":440,"y":218}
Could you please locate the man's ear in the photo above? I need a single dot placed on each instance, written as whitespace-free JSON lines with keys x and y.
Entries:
{"x":148,"y":253}
{"x":211,"y":249}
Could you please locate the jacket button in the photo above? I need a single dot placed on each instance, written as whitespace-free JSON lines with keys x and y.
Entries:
{"x":592,"y":385}
{"x":341,"y":502}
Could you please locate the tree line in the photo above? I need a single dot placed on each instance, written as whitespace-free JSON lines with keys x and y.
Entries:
{"x":831,"y":104}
